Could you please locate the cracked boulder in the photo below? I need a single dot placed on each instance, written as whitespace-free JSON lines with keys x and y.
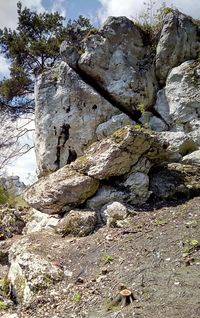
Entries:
{"x":179,"y":41}
{"x":118,"y":63}
{"x":115,"y":155}
{"x":65,"y":188}
{"x":68,"y":112}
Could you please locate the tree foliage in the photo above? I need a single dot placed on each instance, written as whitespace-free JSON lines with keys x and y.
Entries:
{"x":32,"y":48}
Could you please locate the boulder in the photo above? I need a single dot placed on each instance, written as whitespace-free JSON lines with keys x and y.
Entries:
{"x":115,"y":155}
{"x":40,"y":221}
{"x":137,"y":186}
{"x":118,"y":63}
{"x":192,"y":159}
{"x":104,"y":195}
{"x":179,"y":102}
{"x":65,"y":187}
{"x":68,"y":112}
{"x":179,"y":142}
{"x":29,"y":271}
{"x":113,"y":212}
{"x":77,"y":223}
{"x":114,"y":123}
{"x":179,"y":41}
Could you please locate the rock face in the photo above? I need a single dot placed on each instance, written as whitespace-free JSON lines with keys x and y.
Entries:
{"x":118,"y":62}
{"x":65,"y":187}
{"x":179,"y":42}
{"x":68,"y":112}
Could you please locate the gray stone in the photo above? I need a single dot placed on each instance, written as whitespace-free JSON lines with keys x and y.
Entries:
{"x":65,"y":187}
{"x":40,"y":221}
{"x":68,"y":112}
{"x":115,"y":155}
{"x":179,"y":42}
{"x":77,"y":223}
{"x":179,"y":142}
{"x":109,"y":127}
{"x":104,"y":195}
{"x":116,"y":59}
{"x":192,"y":159}
{"x":113,"y":212}
{"x":30,"y":272}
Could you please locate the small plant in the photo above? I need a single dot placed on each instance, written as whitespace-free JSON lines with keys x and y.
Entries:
{"x":141,"y":108}
{"x":77,"y":297}
{"x":3,"y":306}
{"x":107,"y":259}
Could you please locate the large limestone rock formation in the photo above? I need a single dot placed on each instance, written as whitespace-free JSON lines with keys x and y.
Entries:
{"x":179,"y":42}
{"x":114,"y":156}
{"x":117,"y":61}
{"x":68,"y":112}
{"x":179,"y":102}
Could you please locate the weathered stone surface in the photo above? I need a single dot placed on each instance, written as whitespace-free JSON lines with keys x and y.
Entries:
{"x":77,"y":223}
{"x":137,"y":185}
{"x":115,"y":155}
{"x":179,"y":102}
{"x":113,"y":212}
{"x":11,"y":222}
{"x":29,"y":272}
{"x":179,"y":42}
{"x":175,"y":181}
{"x":116,"y":59}
{"x":40,"y":221}
{"x":104,"y":195}
{"x":192,"y":159}
{"x":179,"y":142}
{"x":68,"y":112}
{"x":65,"y":187}
{"x":116,"y":122}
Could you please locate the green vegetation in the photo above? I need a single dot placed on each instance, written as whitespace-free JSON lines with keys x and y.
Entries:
{"x":32,"y":48}
{"x":77,"y":297}
{"x":3,"y":306}
{"x":11,"y":200}
{"x":107,"y":259}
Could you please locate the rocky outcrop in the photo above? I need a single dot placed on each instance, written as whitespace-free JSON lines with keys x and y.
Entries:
{"x":115,"y":155}
{"x":68,"y":112}
{"x":30,"y":272}
{"x":63,"y":188}
{"x":117,"y":61}
{"x":179,"y":41}
{"x":178,"y":103}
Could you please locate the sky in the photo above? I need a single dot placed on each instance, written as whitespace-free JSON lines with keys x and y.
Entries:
{"x":97,"y":11}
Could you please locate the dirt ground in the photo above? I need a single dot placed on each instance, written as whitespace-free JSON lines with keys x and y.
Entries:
{"x":156,"y":255}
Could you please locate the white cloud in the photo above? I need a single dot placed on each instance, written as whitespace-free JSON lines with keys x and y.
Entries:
{"x":60,"y":6}
{"x":132,"y":8}
{"x":4,"y":67}
{"x":8,"y":11}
